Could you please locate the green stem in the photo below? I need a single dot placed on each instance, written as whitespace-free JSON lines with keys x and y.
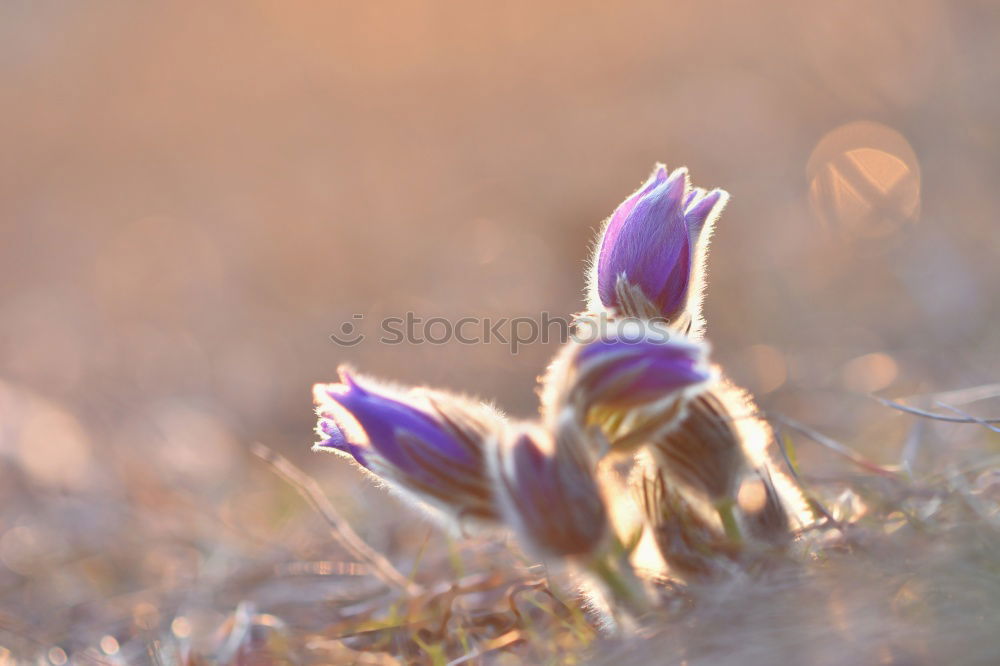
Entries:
{"x":727,"y":513}
{"x":621,"y":582}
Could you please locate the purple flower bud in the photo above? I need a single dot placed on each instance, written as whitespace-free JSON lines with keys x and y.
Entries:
{"x":704,"y":451}
{"x":655,"y":242}
{"x":548,"y":492}
{"x":424,"y":443}
{"x":633,"y":379}
{"x":716,"y":451}
{"x":637,"y":364}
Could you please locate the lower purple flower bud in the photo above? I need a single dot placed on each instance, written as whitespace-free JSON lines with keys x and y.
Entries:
{"x":425,"y":443}
{"x":548,"y":492}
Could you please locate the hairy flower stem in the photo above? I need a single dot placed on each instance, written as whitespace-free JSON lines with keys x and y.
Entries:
{"x":727,"y":514}
{"x":615,"y":572}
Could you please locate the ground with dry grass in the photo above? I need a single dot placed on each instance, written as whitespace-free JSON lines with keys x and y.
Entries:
{"x":901,"y":568}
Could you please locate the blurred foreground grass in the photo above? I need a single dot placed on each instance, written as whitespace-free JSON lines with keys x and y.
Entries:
{"x":904,"y":568}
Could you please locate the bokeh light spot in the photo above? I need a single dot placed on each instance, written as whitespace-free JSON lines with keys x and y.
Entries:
{"x":181,"y":627}
{"x":49,"y":443}
{"x":57,"y":656}
{"x":768,"y":365}
{"x":145,"y":616}
{"x":868,"y":373}
{"x":752,"y":496}
{"x":21,"y":549}
{"x":109,"y":645}
{"x":864,"y":180}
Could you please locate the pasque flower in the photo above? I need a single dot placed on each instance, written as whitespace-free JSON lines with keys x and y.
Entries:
{"x":638,"y":383}
{"x":704,"y":450}
{"x":425,"y":444}
{"x":650,"y":257}
{"x":694,"y":542}
{"x":633,"y":379}
{"x":549,"y":494}
{"x":546,"y":486}
{"x":720,"y":446}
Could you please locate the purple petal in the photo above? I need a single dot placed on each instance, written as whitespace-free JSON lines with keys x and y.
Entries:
{"x":337,"y":440}
{"x":556,"y":499}
{"x":700,"y":210}
{"x":641,"y":372}
{"x":650,"y":248}
{"x":693,"y":196}
{"x":624,"y":209}
{"x":382,"y":418}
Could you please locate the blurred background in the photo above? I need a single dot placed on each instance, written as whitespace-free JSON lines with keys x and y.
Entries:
{"x":193,"y":197}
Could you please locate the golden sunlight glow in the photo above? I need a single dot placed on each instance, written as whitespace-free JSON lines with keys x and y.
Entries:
{"x":864,"y":180}
{"x":752,"y":496}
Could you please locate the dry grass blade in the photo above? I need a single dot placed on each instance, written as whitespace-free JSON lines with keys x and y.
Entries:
{"x":815,"y":505}
{"x":911,"y":447}
{"x":498,"y":643}
{"x":957,"y":484}
{"x":836,"y":447}
{"x":974,"y":419}
{"x":931,"y":415}
{"x":341,"y":530}
{"x":962,"y":396}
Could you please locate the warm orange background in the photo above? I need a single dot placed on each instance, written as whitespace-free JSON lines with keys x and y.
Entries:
{"x":194,"y":196}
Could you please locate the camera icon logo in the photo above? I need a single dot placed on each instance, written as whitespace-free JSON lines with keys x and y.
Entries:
{"x":349,"y":334}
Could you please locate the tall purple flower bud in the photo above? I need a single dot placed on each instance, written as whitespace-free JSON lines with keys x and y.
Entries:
{"x":427,"y":445}
{"x":650,"y":258}
{"x":633,"y":379}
